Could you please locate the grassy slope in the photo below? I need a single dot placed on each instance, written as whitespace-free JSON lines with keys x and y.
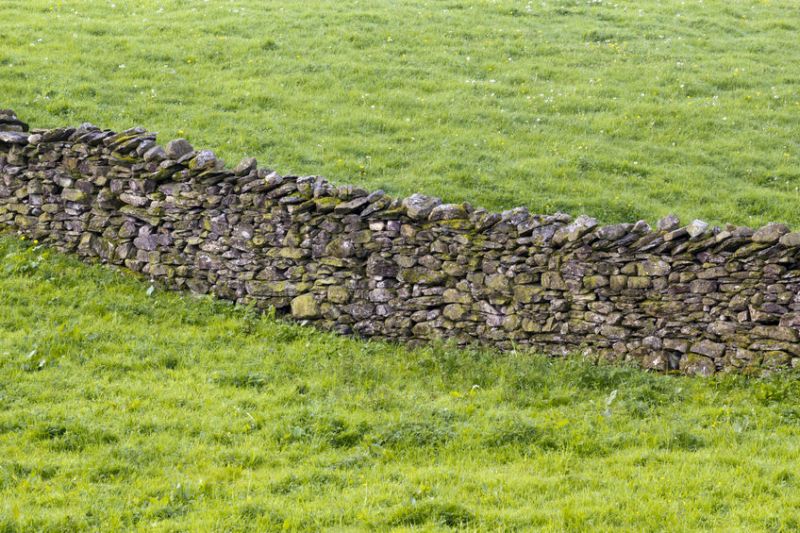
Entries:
{"x":621,"y":109}
{"x":120,"y":409}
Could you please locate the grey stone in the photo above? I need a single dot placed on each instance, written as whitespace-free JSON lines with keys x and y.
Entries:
{"x":613,"y":232}
{"x":770,"y":233}
{"x":790,"y":240}
{"x":696,"y":228}
{"x":13,"y":137}
{"x":353,"y":205}
{"x":204,"y":159}
{"x":419,"y":206}
{"x":448,"y":212}
{"x":708,"y":348}
{"x":155,"y":154}
{"x":454,"y":311}
{"x":245,"y":166}
{"x":669,"y":223}
{"x":575,"y":230}
{"x":178,"y":148}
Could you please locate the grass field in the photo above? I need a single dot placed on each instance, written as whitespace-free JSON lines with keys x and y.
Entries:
{"x":124,"y":408}
{"x":127,"y":408}
{"x":620,"y":109}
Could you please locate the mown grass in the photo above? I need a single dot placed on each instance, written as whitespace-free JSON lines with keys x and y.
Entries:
{"x":124,"y":408}
{"x":623,"y":109}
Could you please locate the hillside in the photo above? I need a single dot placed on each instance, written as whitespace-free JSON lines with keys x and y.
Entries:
{"x":127,"y":407}
{"x":622,"y":110}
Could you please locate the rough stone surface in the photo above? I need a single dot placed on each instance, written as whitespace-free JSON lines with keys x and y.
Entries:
{"x":419,"y":206}
{"x":304,"y":306}
{"x":178,"y":148}
{"x":770,"y":233}
{"x":691,"y":299}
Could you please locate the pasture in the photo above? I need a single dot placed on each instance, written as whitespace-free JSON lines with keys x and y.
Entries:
{"x":127,"y":408}
{"x":621,"y":110}
{"x":123,"y":407}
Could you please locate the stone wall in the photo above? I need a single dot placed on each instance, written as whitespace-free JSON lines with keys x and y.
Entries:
{"x":693,"y":298}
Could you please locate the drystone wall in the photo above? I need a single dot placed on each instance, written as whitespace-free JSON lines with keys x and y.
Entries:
{"x":692,"y":298}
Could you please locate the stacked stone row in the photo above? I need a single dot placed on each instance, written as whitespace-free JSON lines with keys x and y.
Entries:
{"x":693,"y":298}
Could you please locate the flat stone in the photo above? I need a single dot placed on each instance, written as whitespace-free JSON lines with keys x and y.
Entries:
{"x":553,"y":280}
{"x":790,"y":240}
{"x":708,"y":348}
{"x":73,"y":195}
{"x":618,"y":282}
{"x":613,"y":232}
{"x":132,"y":199}
{"x":697,"y":365}
{"x":381,"y":267}
{"x":638,"y":282}
{"x":448,"y":212}
{"x":351,"y":206}
{"x":526,"y":293}
{"x":770,"y":233}
{"x":779,"y":333}
{"x":338,"y":295}
{"x":595,"y":282}
{"x":655,"y":267}
{"x":678,"y":345}
{"x":456,"y":296}
{"x":702,"y":286}
{"x":497,"y":283}
{"x":575,"y":230}
{"x":13,"y":137}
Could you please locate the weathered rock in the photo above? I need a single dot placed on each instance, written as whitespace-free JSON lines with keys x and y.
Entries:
{"x":10,"y":122}
{"x":73,"y":195}
{"x":668,"y":223}
{"x":13,"y":137}
{"x":245,"y":166}
{"x":204,"y":159}
{"x":790,"y":240}
{"x":155,"y":154}
{"x":696,"y":228}
{"x":770,"y":233}
{"x":708,"y":348}
{"x":575,"y":230}
{"x":448,"y":212}
{"x":419,"y":206}
{"x":455,"y":311}
{"x":178,"y":148}
{"x":305,"y":306}
{"x":338,"y":295}
{"x":351,"y":206}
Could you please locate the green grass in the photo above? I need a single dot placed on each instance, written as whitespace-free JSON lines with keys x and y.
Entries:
{"x":620,"y":109}
{"x":123,"y":408}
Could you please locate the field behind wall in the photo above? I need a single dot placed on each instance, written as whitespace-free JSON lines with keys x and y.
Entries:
{"x":622,"y":110}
